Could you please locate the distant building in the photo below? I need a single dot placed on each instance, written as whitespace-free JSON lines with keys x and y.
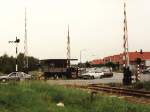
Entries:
{"x":118,"y":59}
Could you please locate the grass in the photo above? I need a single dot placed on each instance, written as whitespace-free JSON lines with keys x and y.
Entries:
{"x":142,"y":85}
{"x":41,"y":97}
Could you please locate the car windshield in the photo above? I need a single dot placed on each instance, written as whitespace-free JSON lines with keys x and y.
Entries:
{"x":12,"y":74}
{"x":98,"y":70}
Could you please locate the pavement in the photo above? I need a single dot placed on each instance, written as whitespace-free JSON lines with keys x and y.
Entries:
{"x":117,"y":78}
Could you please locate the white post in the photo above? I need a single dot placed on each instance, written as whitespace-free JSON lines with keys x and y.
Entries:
{"x":16,"y":56}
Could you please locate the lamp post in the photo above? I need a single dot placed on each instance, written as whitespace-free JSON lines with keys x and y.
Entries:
{"x":16,"y":42}
{"x":81,"y":55}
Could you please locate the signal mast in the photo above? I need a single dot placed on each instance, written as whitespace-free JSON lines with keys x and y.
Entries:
{"x":26,"y":64}
{"x":68,"y":49}
{"x":125,"y":39}
{"x":127,"y":80}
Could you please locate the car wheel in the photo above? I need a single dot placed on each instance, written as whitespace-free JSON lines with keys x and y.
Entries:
{"x":4,"y":80}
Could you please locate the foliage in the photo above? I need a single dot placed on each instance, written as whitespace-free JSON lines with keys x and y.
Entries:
{"x":7,"y":64}
{"x":114,"y":66}
{"x":87,"y":64}
{"x":110,"y":64}
{"x":98,"y":65}
{"x":41,"y":97}
{"x":138,"y":60}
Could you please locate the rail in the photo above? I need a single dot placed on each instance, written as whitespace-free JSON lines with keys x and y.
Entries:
{"x":115,"y":90}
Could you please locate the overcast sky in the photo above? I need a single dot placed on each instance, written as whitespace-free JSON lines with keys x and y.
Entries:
{"x":95,"y":25}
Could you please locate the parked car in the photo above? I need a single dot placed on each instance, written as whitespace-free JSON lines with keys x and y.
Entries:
{"x":145,"y":71}
{"x":92,"y":75}
{"x":107,"y":73}
{"x":97,"y":74}
{"x":16,"y":76}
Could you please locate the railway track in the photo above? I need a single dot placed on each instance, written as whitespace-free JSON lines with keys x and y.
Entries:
{"x":114,"y":90}
{"x":119,"y":91}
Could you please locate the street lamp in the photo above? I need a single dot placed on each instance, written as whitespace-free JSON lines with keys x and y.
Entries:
{"x":16,"y":42}
{"x":81,"y":55}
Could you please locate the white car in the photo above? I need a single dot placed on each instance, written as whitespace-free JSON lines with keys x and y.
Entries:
{"x":93,"y":75}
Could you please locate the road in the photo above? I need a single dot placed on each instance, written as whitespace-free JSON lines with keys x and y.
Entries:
{"x":117,"y":78}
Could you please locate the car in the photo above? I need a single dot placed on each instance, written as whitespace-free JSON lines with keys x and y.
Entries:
{"x":145,"y":71}
{"x":16,"y":76}
{"x":92,"y":75}
{"x":107,"y":73}
{"x":96,"y":73}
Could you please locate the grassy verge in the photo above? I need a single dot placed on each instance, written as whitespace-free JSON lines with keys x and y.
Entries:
{"x":41,"y":97}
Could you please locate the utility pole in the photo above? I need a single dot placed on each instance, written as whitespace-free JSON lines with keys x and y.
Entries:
{"x":26,"y":65}
{"x":127,"y":80}
{"x":68,"y":49}
{"x":16,"y":42}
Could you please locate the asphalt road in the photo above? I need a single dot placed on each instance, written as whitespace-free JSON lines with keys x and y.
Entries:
{"x":117,"y":78}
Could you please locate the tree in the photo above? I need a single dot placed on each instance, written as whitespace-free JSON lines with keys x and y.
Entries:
{"x":7,"y":64}
{"x":112,"y":65}
{"x":87,"y":64}
{"x":33,"y":63}
{"x":138,"y":61}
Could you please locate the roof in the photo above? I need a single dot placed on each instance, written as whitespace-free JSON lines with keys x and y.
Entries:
{"x":143,"y":56}
{"x":58,"y":59}
{"x":97,"y":61}
{"x":119,"y":58}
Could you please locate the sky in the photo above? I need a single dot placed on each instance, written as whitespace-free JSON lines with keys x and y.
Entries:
{"x":96,"y":27}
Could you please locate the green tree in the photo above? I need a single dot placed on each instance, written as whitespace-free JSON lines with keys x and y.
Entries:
{"x":87,"y":64}
{"x":7,"y":64}
{"x":112,"y":65}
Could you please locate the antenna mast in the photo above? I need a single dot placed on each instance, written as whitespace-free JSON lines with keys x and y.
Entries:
{"x":68,"y":49}
{"x":26,"y":44}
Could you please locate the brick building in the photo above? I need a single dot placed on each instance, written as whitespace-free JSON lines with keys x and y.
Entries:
{"x":118,"y":59}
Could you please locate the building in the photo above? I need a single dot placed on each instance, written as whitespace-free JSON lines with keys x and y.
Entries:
{"x":133,"y":57}
{"x":56,"y":68}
